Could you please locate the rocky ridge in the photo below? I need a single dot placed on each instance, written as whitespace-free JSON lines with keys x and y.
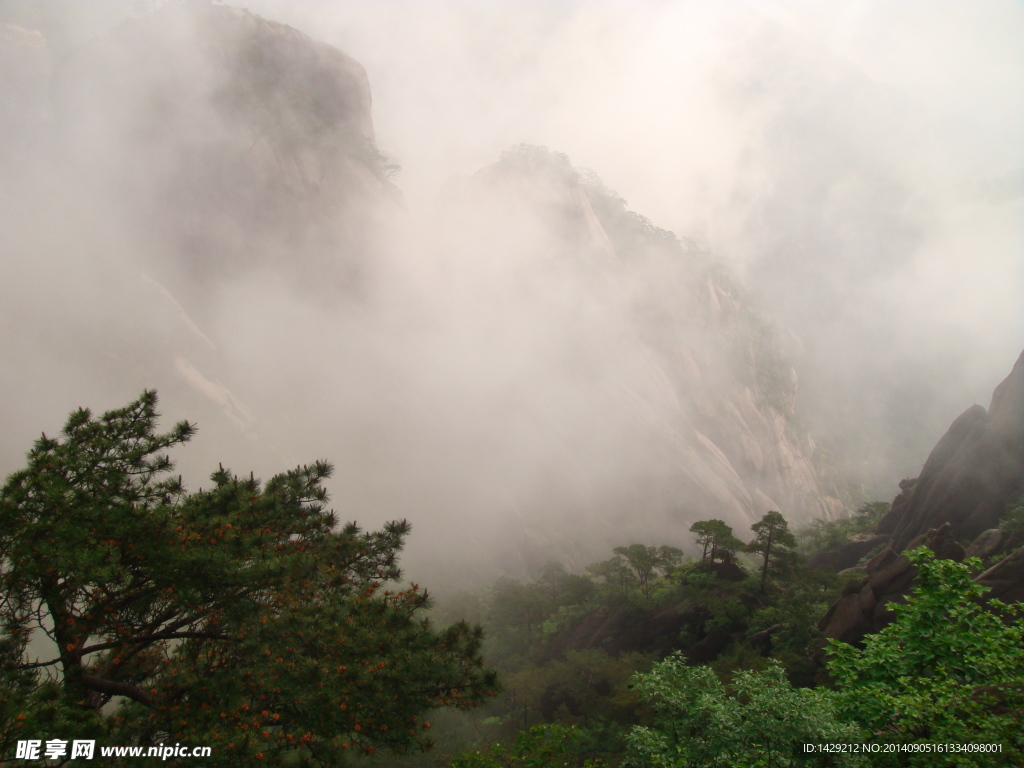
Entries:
{"x":710,"y":384}
{"x":974,"y":473}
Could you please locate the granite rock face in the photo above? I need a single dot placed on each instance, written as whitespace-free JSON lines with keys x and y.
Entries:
{"x":701,"y":374}
{"x":862,"y":608}
{"x":972,"y":475}
{"x":220,"y":184}
{"x":151,"y":169}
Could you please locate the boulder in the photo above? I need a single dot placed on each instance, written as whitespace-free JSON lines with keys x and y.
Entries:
{"x":862,"y":609}
{"x":988,"y":543}
{"x":941,"y":542}
{"x":847,"y":621}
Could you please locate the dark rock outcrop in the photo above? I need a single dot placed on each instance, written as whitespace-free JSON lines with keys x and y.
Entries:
{"x":987,"y":544}
{"x":974,"y":472}
{"x":899,"y":505}
{"x":726,"y":571}
{"x":1005,"y":579}
{"x":862,"y":608}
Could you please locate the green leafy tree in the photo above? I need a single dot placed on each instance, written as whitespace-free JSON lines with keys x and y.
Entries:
{"x":582,"y":687}
{"x":516,"y":614}
{"x":1013,"y":519}
{"x":773,"y":541}
{"x":759,"y":721}
{"x":671,"y":558}
{"x":564,"y":588}
{"x":715,"y":539}
{"x":615,"y":571}
{"x":948,"y":669}
{"x":238,"y":617}
{"x":827,"y":534}
{"x":647,"y":561}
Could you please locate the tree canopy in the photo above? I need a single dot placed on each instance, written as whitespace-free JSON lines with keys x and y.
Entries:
{"x":759,"y":720}
{"x":239,"y":617}
{"x":773,"y":541}
{"x":716,"y":540}
{"x":647,"y":561}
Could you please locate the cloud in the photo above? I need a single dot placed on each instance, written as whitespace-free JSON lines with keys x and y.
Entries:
{"x":857,"y":166}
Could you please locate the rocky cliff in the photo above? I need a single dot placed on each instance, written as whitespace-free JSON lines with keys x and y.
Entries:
{"x":973,"y":475}
{"x":974,"y":472}
{"x":150,"y":172}
{"x":230,"y":142}
{"x":701,"y":372}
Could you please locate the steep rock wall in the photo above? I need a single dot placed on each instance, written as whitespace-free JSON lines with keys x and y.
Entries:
{"x":970,"y":478}
{"x":974,"y":472}
{"x":704,"y":373}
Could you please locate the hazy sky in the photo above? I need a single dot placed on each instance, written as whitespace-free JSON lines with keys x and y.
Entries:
{"x":679,"y":106}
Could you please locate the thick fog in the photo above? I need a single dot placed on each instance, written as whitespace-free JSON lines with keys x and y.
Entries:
{"x":859,"y":165}
{"x":475,"y":356}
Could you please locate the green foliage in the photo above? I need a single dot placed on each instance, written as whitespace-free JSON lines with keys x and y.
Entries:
{"x":828,"y":534}
{"x":759,"y":721}
{"x":715,"y":539}
{"x":516,"y":614}
{"x":583,"y":686}
{"x":647,"y":561}
{"x":615,"y":571}
{"x":237,"y":617}
{"x":795,"y":611}
{"x":542,"y":746}
{"x":1013,"y":519}
{"x":563,"y":588}
{"x":773,"y":541}
{"x":520,"y":616}
{"x":947,"y":669}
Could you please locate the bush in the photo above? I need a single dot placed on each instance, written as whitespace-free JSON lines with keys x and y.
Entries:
{"x":760,"y":720}
{"x":948,"y":669}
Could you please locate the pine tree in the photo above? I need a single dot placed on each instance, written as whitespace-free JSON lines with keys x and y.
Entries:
{"x":238,"y":617}
{"x":772,"y":540}
{"x":716,"y":539}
